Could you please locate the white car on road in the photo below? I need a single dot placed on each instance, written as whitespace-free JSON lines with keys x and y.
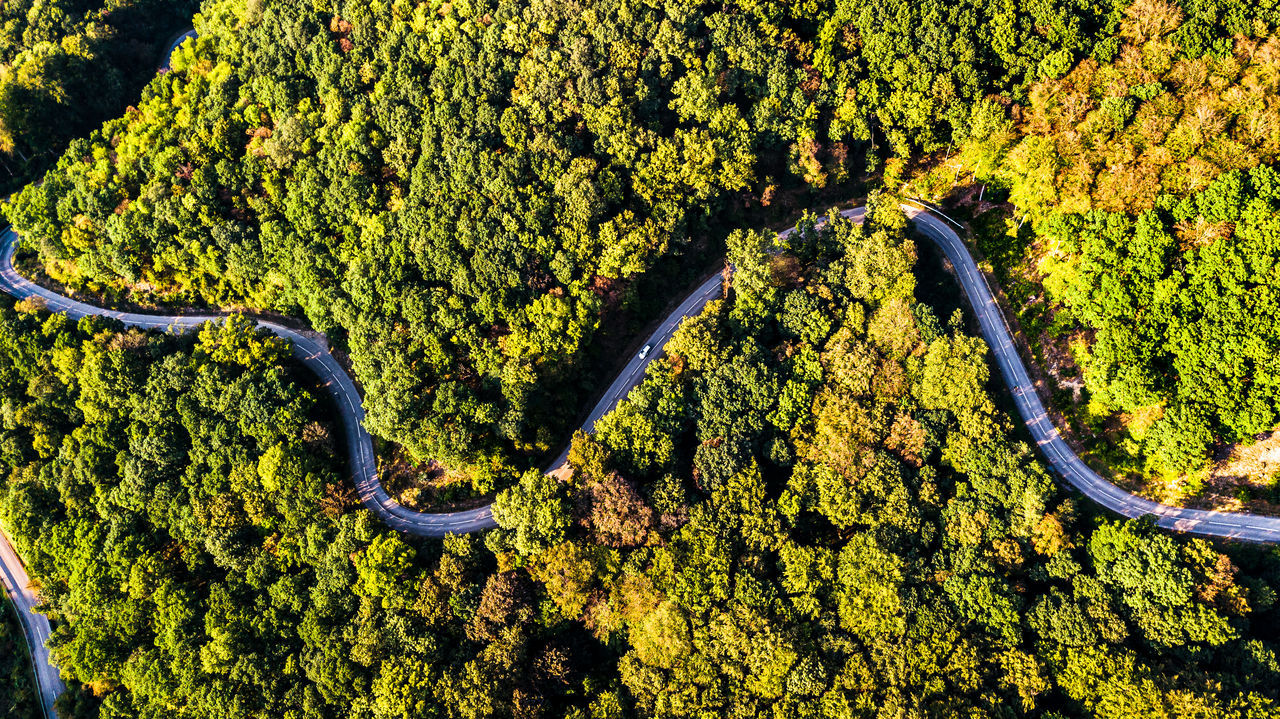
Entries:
{"x":645,"y":352}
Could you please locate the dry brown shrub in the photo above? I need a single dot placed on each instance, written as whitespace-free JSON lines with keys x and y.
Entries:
{"x":1199,"y":232}
{"x":1189,"y":74}
{"x":1149,"y":19}
{"x":907,"y":439}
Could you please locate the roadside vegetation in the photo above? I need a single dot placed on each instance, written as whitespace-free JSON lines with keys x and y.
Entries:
{"x":479,"y":200}
{"x":466,"y":195}
{"x":172,"y":496}
{"x":813,"y":506}
{"x":1138,"y":245}
{"x":810,"y":507}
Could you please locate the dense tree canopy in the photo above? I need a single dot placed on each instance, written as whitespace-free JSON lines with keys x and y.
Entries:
{"x":461,"y":190}
{"x":1147,"y":173}
{"x":1181,"y":298}
{"x":811,"y":507}
{"x":67,"y":65}
{"x":154,"y":484}
{"x":866,"y":539}
{"x":1156,"y":111}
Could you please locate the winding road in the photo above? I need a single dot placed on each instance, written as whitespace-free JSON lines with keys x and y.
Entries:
{"x":1059,"y":455}
{"x":313,"y":351}
{"x":173,"y":47}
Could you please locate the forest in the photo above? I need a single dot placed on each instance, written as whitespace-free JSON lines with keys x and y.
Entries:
{"x":463,"y":194}
{"x":68,"y":65}
{"x":156,"y":484}
{"x":469,"y":196}
{"x":815,"y":505}
{"x":1145,"y":178}
{"x":719,"y":550}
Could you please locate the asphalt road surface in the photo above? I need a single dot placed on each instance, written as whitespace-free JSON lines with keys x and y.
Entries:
{"x":633,"y":373}
{"x":312,"y":350}
{"x":1056,"y":452}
